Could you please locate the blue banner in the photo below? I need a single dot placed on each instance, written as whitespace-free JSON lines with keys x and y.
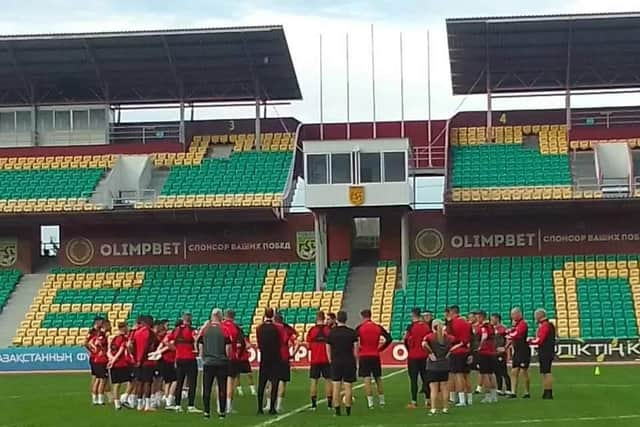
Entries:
{"x":43,"y":359}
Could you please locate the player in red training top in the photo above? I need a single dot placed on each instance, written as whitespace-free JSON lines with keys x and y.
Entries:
{"x":503,"y":380}
{"x":245,"y":369}
{"x":98,"y":347}
{"x":237,"y":342}
{"x":119,"y":364}
{"x":288,"y":340}
{"x":183,"y":338}
{"x":487,"y":358}
{"x":517,"y":339}
{"x":459,"y":366}
{"x":417,"y":330}
{"x":319,"y":367}
{"x":95,"y":329}
{"x":370,"y":335}
{"x":546,"y":341}
{"x":166,"y":365}
{"x":144,"y":342}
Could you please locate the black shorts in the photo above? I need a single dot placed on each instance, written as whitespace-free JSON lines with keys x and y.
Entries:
{"x":344,"y":372}
{"x":120,"y":375}
{"x":238,"y":367}
{"x":521,"y":360}
{"x":486,"y":364}
{"x":458,"y":364}
{"x":438,"y":376}
{"x":167,"y":371}
{"x":474,"y":362}
{"x":284,"y":371}
{"x":370,"y":367}
{"x":99,"y":370}
{"x":145,"y":374}
{"x":320,"y":371}
{"x":545,"y":363}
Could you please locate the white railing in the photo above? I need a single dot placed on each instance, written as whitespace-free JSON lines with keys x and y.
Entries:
{"x":144,"y":133}
{"x":128,"y":198}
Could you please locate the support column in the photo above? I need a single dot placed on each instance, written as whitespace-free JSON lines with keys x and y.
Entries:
{"x":567,"y":107}
{"x":404,"y":248}
{"x":34,"y":125}
{"x":181,"y":133}
{"x":320,"y":228}
{"x":258,"y":137}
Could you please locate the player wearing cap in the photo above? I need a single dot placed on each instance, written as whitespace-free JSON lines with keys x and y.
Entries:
{"x":183,"y":338}
{"x":487,"y":358}
{"x":546,"y":341}
{"x":342,"y":353}
{"x":319,"y":367}
{"x":370,"y":335}
{"x":461,"y":330}
{"x":417,"y":355}
{"x":517,"y":337}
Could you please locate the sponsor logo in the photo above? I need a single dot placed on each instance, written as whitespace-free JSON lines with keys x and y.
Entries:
{"x":429,"y":242}
{"x":306,"y":245}
{"x":80,"y":251}
{"x":8,"y":252}
{"x":356,"y":195}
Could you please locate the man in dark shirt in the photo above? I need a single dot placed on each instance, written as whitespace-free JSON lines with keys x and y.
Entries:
{"x":342,"y":353}
{"x":502,"y":374}
{"x":268,"y":336}
{"x":546,"y":341}
{"x":215,"y":351}
{"x":319,"y":366}
{"x":370,"y":335}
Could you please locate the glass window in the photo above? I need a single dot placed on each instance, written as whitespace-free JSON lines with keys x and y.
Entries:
{"x":45,"y":120}
{"x":63,"y":120}
{"x":81,"y":119}
{"x":341,"y":168}
{"x":97,"y":119}
{"x":7,"y":123}
{"x":369,"y":167}
{"x":317,"y":168}
{"x":394,"y":167}
{"x":23,"y":121}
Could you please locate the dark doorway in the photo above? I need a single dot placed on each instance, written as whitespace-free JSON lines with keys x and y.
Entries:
{"x":365,"y":245}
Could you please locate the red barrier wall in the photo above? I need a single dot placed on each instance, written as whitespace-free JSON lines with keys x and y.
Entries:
{"x":90,"y":150}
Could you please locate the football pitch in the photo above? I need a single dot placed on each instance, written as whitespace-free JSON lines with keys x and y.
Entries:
{"x":581,"y":399}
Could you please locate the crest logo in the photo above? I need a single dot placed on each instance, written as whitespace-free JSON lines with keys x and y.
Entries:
{"x":429,"y":242}
{"x":306,"y":245}
{"x":8,"y":252}
{"x":79,"y":251}
{"x":356,"y":195}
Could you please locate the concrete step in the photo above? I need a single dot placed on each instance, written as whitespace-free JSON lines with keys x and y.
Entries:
{"x":18,"y":306}
{"x":358,"y":292}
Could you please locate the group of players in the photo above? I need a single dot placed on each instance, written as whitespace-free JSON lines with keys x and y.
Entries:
{"x":158,"y":366}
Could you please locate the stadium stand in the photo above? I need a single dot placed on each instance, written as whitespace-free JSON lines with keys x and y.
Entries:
{"x":577,"y":291}
{"x":69,"y":299}
{"x":8,"y":281}
{"x":383,"y":288}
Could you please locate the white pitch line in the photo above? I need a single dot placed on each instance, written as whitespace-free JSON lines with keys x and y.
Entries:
{"x":522,"y":421}
{"x":305,"y":407}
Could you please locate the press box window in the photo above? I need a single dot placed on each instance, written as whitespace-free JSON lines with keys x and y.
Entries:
{"x":317,"y":169}
{"x":341,"y":168}
{"x":369,"y":167}
{"x":394,"y":167}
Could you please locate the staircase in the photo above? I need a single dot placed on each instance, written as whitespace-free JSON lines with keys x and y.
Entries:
{"x":158,"y":178}
{"x":101,"y":194}
{"x":358,"y":293}
{"x":583,"y":170}
{"x":18,"y":305}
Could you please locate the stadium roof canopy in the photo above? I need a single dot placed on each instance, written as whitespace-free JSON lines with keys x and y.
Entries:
{"x":544,"y":53}
{"x":195,"y":65}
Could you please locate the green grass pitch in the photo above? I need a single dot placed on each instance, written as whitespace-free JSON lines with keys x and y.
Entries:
{"x":582,"y":399}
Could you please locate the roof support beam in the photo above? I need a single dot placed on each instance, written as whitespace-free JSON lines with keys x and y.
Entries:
{"x":172,"y":68}
{"x":104,"y":86}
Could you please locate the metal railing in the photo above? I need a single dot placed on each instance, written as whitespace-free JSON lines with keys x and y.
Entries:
{"x":428,"y":157}
{"x":128,"y":198}
{"x":144,"y":133}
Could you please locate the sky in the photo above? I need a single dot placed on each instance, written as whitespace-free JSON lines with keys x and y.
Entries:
{"x":304,"y":21}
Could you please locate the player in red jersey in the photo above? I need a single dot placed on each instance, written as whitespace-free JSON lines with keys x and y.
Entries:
{"x":183,"y":339}
{"x":166,"y":365}
{"x":245,"y":369}
{"x":546,"y":341}
{"x":95,"y":329}
{"x":461,"y":330}
{"x":517,"y":339}
{"x":236,"y":366}
{"x":98,"y":347}
{"x":119,"y":364}
{"x":320,"y":367}
{"x":144,"y":342}
{"x":417,"y":355}
{"x":487,"y":358}
{"x":370,"y":336}
{"x":503,"y":380}
{"x":288,"y":340}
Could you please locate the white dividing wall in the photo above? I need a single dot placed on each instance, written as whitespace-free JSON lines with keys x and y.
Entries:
{"x":614,"y":160}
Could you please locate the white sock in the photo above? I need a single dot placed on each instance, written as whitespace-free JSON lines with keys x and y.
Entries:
{"x":253,"y":389}
{"x":279,"y":404}
{"x":140,"y":404}
{"x":452,"y":396}
{"x":171,"y":400}
{"x":229,"y":407}
{"x":469,"y":398}
{"x":370,"y":401}
{"x":479,"y":388}
{"x":240,"y":391}
{"x":268,"y":403}
{"x":381,"y":399}
{"x":94,"y":398}
{"x":117,"y":404}
{"x":132,"y":400}
{"x":462,"y":398}
{"x":494,"y":395}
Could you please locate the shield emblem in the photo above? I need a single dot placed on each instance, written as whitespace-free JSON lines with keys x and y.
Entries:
{"x":8,"y":252}
{"x":306,"y":245}
{"x":356,"y":195}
